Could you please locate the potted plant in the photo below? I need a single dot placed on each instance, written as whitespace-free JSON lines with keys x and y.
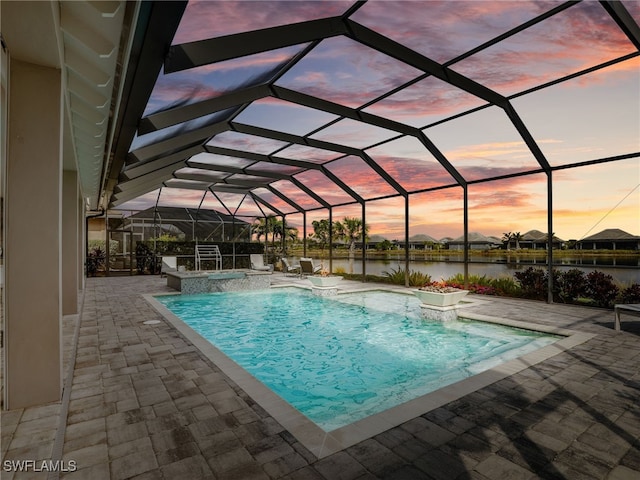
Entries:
{"x":324,"y":278}
{"x":439,"y":295}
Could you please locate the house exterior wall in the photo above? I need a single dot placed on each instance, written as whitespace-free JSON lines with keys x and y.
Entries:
{"x":33,"y":236}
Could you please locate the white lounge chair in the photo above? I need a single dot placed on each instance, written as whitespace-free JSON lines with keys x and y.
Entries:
{"x":307,"y":267}
{"x":290,"y":269}
{"x":169,"y":264}
{"x":257,"y":263}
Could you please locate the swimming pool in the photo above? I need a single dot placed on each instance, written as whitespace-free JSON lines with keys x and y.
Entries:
{"x":343,"y":358}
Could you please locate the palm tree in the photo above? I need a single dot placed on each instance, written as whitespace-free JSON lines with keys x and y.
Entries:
{"x":280,"y":229}
{"x":506,"y":238}
{"x":321,"y":232}
{"x":265,"y":226}
{"x":260,"y":228}
{"x":351,"y":230}
{"x":517,"y":237}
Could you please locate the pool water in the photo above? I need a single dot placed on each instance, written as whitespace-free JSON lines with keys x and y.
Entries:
{"x":342,"y":358}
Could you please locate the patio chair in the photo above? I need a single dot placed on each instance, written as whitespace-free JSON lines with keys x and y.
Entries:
{"x":307,"y":267}
{"x":290,"y":269}
{"x":169,"y":264}
{"x":257,"y":263}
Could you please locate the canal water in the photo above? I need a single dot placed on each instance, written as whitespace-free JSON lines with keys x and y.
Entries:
{"x":624,"y":270}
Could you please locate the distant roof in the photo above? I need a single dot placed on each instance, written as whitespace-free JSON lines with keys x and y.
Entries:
{"x":375,"y":238}
{"x":534,"y":235}
{"x":421,"y":237}
{"x":611,"y":234}
{"x":538,"y":236}
{"x":474,"y":237}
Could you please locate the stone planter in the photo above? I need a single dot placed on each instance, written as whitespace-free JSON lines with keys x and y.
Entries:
{"x":440,"y":299}
{"x":318,"y":281}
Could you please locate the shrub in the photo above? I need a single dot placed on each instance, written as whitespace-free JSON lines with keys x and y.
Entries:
{"x":506,"y":286}
{"x":416,"y":279}
{"x":533,"y":283}
{"x":473,"y":279}
{"x":570,"y":285}
{"x":95,"y":260}
{"x":601,"y":289}
{"x":631,"y":294}
{"x":145,"y":259}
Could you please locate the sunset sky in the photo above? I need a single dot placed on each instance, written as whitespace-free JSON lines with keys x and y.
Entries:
{"x":592,"y":116}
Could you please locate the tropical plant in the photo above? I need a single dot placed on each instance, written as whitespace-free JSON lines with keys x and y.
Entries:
{"x":167,"y":237}
{"x":280,"y":229}
{"x":517,"y":237}
{"x":95,"y":260}
{"x":416,"y":279}
{"x":601,"y":289}
{"x":631,"y":294}
{"x":506,"y":286}
{"x":506,"y":239}
{"x":458,"y":279}
{"x":262,"y":226}
{"x":533,"y":282}
{"x":571,"y":285}
{"x":351,"y":230}
{"x":384,"y":245}
{"x":320,"y":232}
{"x":145,"y":259}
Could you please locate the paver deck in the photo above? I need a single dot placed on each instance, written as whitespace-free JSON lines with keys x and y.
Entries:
{"x":144,"y":403}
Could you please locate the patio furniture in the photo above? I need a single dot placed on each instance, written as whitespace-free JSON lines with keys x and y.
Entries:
{"x":257,"y":263}
{"x":289,"y":269}
{"x":169,"y":264}
{"x":632,"y":308}
{"x":307,"y":267}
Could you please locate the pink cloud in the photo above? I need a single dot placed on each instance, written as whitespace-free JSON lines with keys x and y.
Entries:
{"x":575,"y":39}
{"x":209,"y":19}
{"x":442,"y":30}
{"x":360,"y":177}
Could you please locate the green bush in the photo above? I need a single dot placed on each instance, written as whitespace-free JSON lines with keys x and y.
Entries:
{"x":146,"y":260}
{"x":485,"y":285}
{"x":533,"y":283}
{"x":95,"y":260}
{"x":506,"y":286}
{"x":458,"y":279}
{"x":416,"y":279}
{"x":101,"y":245}
{"x":571,"y":285}
{"x":601,"y":289}
{"x":631,"y":294}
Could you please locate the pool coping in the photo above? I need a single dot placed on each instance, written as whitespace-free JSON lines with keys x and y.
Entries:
{"x":321,"y":443}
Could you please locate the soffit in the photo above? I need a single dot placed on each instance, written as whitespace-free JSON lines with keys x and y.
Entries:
{"x":84,"y":40}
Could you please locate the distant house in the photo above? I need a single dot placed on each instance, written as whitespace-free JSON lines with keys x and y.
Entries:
{"x":422,"y":242}
{"x":610,"y":239}
{"x":535,"y":239}
{"x":477,"y":241}
{"x":372,"y":242}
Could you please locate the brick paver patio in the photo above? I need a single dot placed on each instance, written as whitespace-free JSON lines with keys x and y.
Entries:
{"x":146,"y":404}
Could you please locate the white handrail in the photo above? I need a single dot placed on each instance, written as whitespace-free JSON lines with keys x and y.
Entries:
{"x":208,"y":252}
